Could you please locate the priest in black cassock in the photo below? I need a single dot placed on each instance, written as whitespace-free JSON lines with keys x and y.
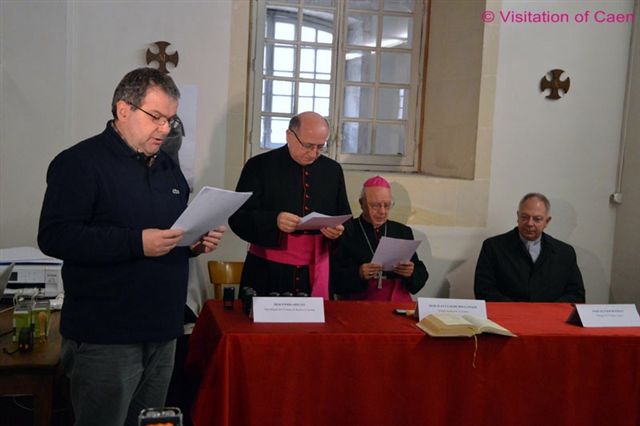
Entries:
{"x":353,"y":276}
{"x":288,"y":183}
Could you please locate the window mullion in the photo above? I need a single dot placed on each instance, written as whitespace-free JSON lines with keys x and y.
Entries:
{"x":338,"y":71}
{"x":376,"y":82}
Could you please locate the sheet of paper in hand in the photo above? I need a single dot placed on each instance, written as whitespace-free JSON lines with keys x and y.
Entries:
{"x":391,"y":251}
{"x":314,"y":221}
{"x":210,"y":208}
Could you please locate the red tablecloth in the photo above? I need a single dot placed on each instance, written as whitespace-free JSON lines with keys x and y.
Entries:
{"x":367,"y":366}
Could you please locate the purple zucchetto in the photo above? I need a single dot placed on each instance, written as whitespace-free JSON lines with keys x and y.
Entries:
{"x":376,"y":181}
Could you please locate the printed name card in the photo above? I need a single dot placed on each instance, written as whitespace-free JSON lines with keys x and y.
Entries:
{"x":434,"y":305}
{"x":616,"y":315}
{"x":288,"y":309}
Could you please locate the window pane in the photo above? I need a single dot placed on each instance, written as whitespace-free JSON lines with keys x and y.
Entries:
{"x":363,"y":4}
{"x":285,"y":31}
{"x":314,"y":97}
{"x":323,"y":63}
{"x":277,"y":96}
{"x":358,"y":102}
{"x":356,"y":138}
{"x":321,"y":106}
{"x":360,"y":66}
{"x":392,"y":103}
{"x":281,"y":22}
{"x":273,"y":131}
{"x":362,"y":29}
{"x":282,"y":104}
{"x":315,"y":63}
{"x":325,"y":3}
{"x":307,"y":60}
{"x":325,"y":37}
{"x":278,"y":59}
{"x":308,"y":34}
{"x":305,"y":104}
{"x":315,"y":89}
{"x":323,"y":90}
{"x":399,"y":5}
{"x":314,"y":22}
{"x":390,"y":139}
{"x":395,"y":67}
{"x":396,"y":31}
{"x":282,"y":87}
{"x":306,"y":89}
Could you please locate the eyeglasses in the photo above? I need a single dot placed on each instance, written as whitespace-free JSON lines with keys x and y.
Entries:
{"x":309,"y":146}
{"x":536,"y":219}
{"x":379,"y":206}
{"x":161,"y":120}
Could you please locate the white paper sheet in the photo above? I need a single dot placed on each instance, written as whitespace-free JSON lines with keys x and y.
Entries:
{"x":209,"y":209}
{"x":392,"y":251}
{"x":318,"y":221}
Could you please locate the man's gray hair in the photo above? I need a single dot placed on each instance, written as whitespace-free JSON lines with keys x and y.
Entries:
{"x":539,"y":196}
{"x":133,"y":87}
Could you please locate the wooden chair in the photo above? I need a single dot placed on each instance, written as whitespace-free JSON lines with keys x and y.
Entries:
{"x":223,"y":273}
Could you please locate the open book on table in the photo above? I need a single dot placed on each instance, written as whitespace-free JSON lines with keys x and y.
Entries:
{"x":450,"y":325}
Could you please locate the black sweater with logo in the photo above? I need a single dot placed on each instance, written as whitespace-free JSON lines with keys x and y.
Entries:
{"x":100,"y":196}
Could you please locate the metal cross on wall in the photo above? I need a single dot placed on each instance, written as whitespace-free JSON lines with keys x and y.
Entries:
{"x":162,"y":57}
{"x":555,"y":84}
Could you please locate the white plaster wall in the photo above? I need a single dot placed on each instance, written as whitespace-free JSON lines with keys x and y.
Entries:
{"x":61,"y":61}
{"x":33,"y":116}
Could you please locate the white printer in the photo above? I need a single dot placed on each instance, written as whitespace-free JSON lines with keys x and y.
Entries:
{"x":33,"y":272}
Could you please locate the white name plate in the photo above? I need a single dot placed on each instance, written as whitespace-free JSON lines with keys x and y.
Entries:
{"x":434,"y":305}
{"x":288,"y":309}
{"x":622,"y":315}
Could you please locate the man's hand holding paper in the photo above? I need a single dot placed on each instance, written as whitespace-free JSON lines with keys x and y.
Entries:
{"x":202,"y":220}
{"x":209,"y":241}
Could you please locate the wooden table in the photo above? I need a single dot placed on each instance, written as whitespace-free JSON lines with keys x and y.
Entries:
{"x":31,"y":373}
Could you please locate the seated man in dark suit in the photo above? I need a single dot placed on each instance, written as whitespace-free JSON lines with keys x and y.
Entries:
{"x":527,"y":265}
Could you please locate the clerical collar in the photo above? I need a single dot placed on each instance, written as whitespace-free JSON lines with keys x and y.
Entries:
{"x":528,"y":243}
{"x":148,"y":159}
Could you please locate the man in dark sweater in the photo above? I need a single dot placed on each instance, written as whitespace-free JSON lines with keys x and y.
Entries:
{"x":107,"y":210}
{"x":527,"y":265}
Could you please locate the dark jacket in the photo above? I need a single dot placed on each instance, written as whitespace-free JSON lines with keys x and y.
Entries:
{"x":100,"y":196}
{"x":353,"y":250}
{"x":505,"y":271}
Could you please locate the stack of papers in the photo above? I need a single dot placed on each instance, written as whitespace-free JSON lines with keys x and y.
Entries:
{"x":210,"y":208}
{"x":392,"y":251}
{"x":314,"y":221}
